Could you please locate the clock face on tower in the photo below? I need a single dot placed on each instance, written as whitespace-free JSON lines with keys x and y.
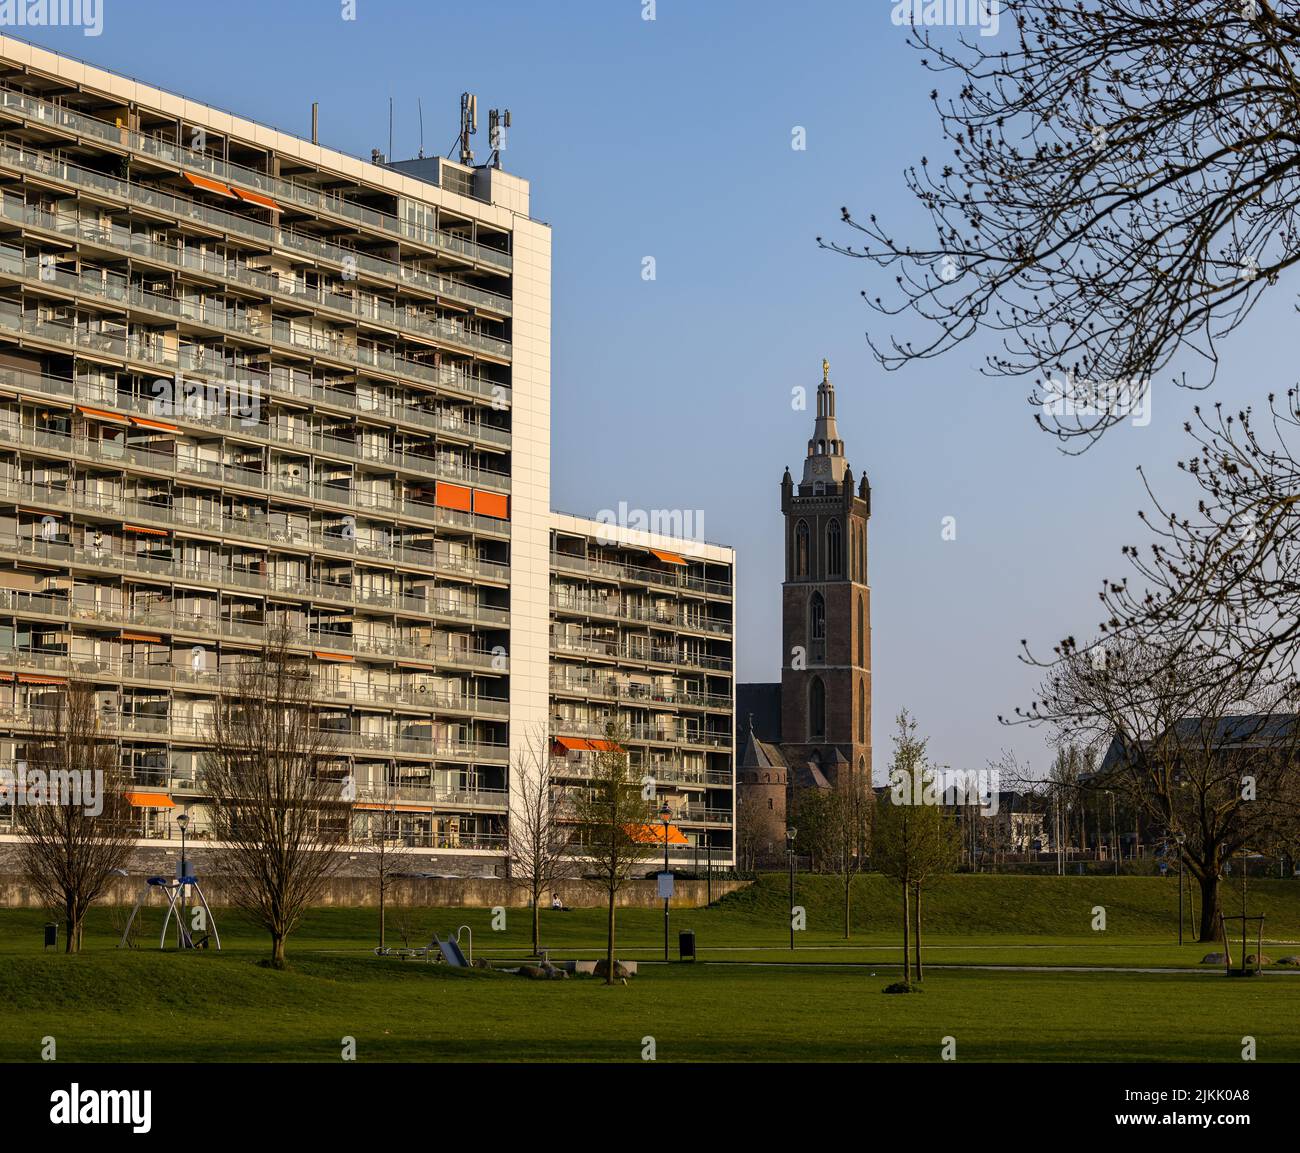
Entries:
{"x":821,"y":466}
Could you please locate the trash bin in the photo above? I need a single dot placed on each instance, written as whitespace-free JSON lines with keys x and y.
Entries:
{"x":51,"y":935}
{"x":686,"y":945}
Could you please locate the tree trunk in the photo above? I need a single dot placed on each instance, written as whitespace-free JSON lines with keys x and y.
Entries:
{"x":907,"y":940}
{"x":381,"y":912}
{"x":277,"y":950}
{"x":1209,"y":906}
{"x":537,"y":925}
{"x":609,"y":945}
{"x":848,"y":904}
{"x":916,"y":912}
{"x":69,"y":926}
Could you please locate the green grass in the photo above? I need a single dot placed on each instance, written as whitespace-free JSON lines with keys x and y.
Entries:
{"x":822,"y":1002}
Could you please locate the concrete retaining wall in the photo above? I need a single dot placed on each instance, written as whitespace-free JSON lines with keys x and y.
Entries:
{"x":463,"y":892}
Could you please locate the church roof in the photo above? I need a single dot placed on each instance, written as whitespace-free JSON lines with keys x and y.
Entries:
{"x":760,"y":754}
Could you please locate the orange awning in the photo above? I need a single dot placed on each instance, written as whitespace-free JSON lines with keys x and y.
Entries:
{"x":667,"y":557}
{"x":99,"y":414}
{"x":583,"y":745}
{"x":150,"y":801}
{"x":147,"y":638}
{"x":257,"y":198}
{"x":208,"y":184}
{"x":331,"y":656}
{"x":146,"y":531}
{"x":159,"y":424}
{"x":453,"y":496}
{"x":573,"y":744}
{"x":37,"y":679}
{"x":492,"y":504}
{"x":654,"y":835}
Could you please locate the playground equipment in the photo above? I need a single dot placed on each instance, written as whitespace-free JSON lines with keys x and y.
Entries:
{"x":449,"y":949}
{"x":173,"y":889}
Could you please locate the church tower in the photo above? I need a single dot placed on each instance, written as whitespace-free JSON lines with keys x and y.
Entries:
{"x":826,"y":607}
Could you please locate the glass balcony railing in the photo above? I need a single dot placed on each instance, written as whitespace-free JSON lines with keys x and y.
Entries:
{"x":373,"y":503}
{"x":43,"y":112}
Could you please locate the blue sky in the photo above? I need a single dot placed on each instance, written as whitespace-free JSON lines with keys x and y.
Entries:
{"x":672,"y":138}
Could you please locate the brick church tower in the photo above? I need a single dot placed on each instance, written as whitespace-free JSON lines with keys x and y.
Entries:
{"x":826,"y":607}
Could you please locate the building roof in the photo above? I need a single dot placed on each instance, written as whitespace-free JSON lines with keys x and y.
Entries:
{"x":1243,"y":731}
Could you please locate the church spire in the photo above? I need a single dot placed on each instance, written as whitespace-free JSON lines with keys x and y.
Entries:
{"x":825,"y":461}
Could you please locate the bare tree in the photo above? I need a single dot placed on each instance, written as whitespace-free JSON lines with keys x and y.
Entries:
{"x":76,"y":832}
{"x":540,"y":840}
{"x":914,"y":840}
{"x":278,"y":812}
{"x":750,"y":823}
{"x":387,"y":858}
{"x":1119,"y":181}
{"x":1203,"y":749}
{"x":850,"y":832}
{"x":614,"y":827}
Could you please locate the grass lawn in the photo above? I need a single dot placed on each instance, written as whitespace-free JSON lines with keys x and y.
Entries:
{"x":748,"y":999}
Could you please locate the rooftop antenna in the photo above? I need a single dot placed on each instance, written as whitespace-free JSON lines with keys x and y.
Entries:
{"x":498,"y":122}
{"x":390,"y":126}
{"x":468,"y":126}
{"x":419,"y":104}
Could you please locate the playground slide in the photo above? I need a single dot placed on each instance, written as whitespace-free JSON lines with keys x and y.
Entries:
{"x":451,"y":953}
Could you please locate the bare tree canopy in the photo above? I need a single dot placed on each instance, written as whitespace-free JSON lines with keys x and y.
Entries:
{"x":614,"y":821}
{"x":1229,"y":575}
{"x":540,"y":840}
{"x":1119,"y":182}
{"x":78,"y":834}
{"x":277,"y":810}
{"x":1209,"y":755}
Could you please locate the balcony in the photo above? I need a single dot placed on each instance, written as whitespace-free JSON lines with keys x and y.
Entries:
{"x":47,"y":115}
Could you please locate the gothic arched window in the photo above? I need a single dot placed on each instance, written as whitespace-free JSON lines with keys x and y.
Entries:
{"x":834,"y":550}
{"x":817,"y":708}
{"x":862,"y":632}
{"x":817,"y":617}
{"x":862,"y":713}
{"x":801,"y":549}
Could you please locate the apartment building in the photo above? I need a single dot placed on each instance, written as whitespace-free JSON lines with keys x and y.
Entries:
{"x":248,"y":383}
{"x":642,"y":638}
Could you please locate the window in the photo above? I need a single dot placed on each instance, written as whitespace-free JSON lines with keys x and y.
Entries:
{"x":862,"y":713}
{"x":817,"y":708}
{"x":834,"y":550}
{"x":817,"y":617}
{"x":801,"y":549}
{"x":862,"y":632}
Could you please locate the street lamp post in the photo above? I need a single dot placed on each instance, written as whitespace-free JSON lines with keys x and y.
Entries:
{"x":184,"y":821}
{"x":1114,"y":830}
{"x":1179,"y":839}
{"x":665,"y":813}
{"x":789,"y":845}
{"x":708,"y":857}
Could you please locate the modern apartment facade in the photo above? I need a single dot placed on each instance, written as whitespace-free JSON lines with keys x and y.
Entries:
{"x":248,"y":383}
{"x":643,"y":638}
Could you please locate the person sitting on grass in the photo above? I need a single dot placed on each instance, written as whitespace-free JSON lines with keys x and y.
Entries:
{"x":557,"y":905}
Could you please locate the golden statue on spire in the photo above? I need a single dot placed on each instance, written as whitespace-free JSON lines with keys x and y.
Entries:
{"x":826,"y":371}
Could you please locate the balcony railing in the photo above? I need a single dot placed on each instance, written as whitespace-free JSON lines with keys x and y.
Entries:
{"x":614,"y":650}
{"x":365,"y":502}
{"x":566,"y":681}
{"x":677,"y":579}
{"x":182,"y":209}
{"x":47,"y":114}
{"x":619,"y":610}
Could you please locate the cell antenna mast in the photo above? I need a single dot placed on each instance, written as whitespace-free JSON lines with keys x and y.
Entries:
{"x":419,"y":104}
{"x":498,"y":122}
{"x":468,"y":126}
